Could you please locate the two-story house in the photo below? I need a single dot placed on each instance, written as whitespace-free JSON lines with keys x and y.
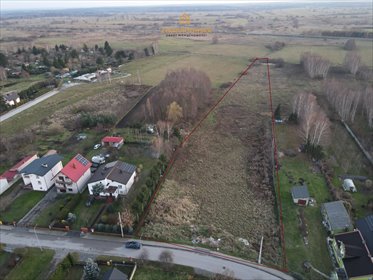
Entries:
{"x":41,"y":172}
{"x":74,"y":176}
{"x":116,"y":178}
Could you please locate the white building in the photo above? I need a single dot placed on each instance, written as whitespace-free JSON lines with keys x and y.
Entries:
{"x":11,"y":98}
{"x":116,"y":178}
{"x":4,"y":185}
{"x":74,"y":176}
{"x":41,"y":173}
{"x":349,"y":186}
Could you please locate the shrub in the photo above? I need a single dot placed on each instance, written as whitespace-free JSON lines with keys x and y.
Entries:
{"x":108,"y":228}
{"x":100,"y":227}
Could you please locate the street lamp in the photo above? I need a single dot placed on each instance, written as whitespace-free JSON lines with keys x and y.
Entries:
{"x":37,"y":238}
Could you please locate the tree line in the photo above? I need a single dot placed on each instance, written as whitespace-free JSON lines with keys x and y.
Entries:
{"x":347,"y":101}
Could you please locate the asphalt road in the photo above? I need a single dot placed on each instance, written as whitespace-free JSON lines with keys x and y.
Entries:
{"x":33,"y":102}
{"x":202,"y":259}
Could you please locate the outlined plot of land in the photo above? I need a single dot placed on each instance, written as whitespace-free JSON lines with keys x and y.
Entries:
{"x":219,"y":187}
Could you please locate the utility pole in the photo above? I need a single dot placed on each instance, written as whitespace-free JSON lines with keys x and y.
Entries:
{"x":37,"y":238}
{"x":120,"y":223}
{"x":260,"y":252}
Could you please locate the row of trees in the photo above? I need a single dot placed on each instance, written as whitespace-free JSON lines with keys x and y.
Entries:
{"x":314,"y":65}
{"x":347,"y":101}
{"x":314,"y":124}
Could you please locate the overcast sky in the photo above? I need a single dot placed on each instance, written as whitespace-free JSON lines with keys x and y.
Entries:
{"x":59,"y":4}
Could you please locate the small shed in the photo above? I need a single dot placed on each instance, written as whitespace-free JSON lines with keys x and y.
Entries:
{"x":349,"y":186}
{"x":300,"y":195}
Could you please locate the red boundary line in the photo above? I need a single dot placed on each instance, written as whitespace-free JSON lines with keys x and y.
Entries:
{"x":186,"y":138}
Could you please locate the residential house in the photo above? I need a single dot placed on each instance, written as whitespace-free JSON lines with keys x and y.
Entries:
{"x":116,"y":178}
{"x":114,"y":274}
{"x":336,"y":218}
{"x":4,"y":185}
{"x":112,"y":141}
{"x":348,"y":185}
{"x":300,"y":195}
{"x":365,"y":226}
{"x":351,"y":256}
{"x":41,"y":173}
{"x":74,"y":176}
{"x":11,"y":98}
{"x":13,"y":173}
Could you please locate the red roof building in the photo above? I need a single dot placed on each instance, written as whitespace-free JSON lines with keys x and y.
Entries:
{"x":74,"y":175}
{"x":112,"y":141}
{"x":13,"y":172}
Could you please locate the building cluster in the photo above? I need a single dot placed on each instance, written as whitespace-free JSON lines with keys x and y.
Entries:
{"x":350,"y":247}
{"x":42,"y":173}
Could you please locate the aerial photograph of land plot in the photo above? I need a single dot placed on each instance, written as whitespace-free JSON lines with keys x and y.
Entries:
{"x":186,"y":139}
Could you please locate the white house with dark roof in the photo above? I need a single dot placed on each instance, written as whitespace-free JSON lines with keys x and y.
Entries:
{"x":41,"y":173}
{"x":11,"y":98}
{"x":116,"y":177}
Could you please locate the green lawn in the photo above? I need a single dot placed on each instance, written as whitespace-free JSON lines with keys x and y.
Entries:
{"x":292,"y":169}
{"x":21,"y":205}
{"x":20,"y":84}
{"x":85,"y":215}
{"x":33,"y":264}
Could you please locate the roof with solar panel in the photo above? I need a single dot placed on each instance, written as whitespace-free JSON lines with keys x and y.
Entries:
{"x":117,"y":171}
{"x":76,"y":167}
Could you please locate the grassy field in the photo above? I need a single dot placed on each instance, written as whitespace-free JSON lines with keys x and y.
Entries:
{"x":21,"y":205}
{"x":20,"y":84}
{"x":36,"y":113}
{"x":33,"y":264}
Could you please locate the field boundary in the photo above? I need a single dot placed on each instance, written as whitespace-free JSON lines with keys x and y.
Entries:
{"x":187,"y":137}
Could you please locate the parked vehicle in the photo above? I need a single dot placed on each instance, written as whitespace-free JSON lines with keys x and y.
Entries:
{"x":99,"y":159}
{"x":132,"y":245}
{"x":95,"y":147}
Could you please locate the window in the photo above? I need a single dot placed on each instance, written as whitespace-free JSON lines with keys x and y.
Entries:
{"x":120,"y":186}
{"x":60,"y":177}
{"x":70,"y":190}
{"x":37,"y":177}
{"x":39,"y":182}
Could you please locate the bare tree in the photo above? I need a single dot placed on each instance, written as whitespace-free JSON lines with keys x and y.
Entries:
{"x":314,"y":65}
{"x":3,"y":75}
{"x":352,"y":62}
{"x":144,"y":256}
{"x":314,"y":124}
{"x":350,"y":45}
{"x":127,"y":218}
{"x":368,"y":105}
{"x":344,"y":100}
{"x":166,"y":257}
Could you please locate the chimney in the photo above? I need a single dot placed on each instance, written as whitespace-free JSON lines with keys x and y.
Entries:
{"x":74,"y":166}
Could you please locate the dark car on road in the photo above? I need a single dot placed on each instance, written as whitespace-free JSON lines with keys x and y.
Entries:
{"x":133,"y":245}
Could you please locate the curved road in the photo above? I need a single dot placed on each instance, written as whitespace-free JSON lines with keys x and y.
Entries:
{"x":202,"y":259}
